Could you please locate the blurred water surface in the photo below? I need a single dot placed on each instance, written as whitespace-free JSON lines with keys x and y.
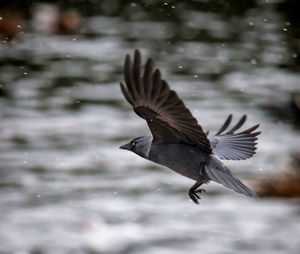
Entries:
{"x":65,"y":187}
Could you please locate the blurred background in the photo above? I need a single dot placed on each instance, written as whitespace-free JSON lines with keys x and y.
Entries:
{"x":65,"y":187}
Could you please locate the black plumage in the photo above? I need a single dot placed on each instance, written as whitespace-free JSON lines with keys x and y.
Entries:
{"x":152,"y":99}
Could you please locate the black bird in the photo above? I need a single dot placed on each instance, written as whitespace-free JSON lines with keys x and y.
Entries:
{"x":178,"y":141}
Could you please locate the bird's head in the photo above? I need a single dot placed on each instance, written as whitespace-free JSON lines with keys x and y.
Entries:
{"x":140,"y":146}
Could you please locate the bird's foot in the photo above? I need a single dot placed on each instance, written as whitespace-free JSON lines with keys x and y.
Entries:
{"x":200,"y":191}
{"x":194,"y":196}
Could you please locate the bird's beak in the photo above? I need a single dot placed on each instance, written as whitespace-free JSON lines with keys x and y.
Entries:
{"x":126,"y":146}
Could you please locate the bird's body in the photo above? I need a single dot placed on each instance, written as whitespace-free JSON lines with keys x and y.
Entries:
{"x":178,"y":141}
{"x":183,"y":158}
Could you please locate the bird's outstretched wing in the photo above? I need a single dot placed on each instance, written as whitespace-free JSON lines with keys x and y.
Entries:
{"x":168,"y":118}
{"x":234,"y":146}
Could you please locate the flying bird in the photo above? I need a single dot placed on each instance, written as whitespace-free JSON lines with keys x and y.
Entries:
{"x":178,"y":141}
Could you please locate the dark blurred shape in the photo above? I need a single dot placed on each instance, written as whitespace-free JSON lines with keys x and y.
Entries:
{"x":69,"y":22}
{"x":3,"y":91}
{"x":285,"y":184}
{"x":290,"y":9}
{"x":289,"y":111}
{"x":11,"y":23}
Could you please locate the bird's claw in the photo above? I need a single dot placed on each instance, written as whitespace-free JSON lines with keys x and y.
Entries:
{"x":194,"y":196}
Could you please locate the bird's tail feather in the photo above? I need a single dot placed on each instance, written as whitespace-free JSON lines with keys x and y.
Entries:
{"x":219,"y":173}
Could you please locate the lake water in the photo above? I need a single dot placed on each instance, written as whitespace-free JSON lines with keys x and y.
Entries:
{"x":65,"y":187}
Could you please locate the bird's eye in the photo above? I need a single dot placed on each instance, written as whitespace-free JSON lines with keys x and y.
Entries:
{"x":132,"y":143}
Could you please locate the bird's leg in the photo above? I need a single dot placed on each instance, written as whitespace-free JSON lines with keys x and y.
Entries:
{"x":193,"y":193}
{"x":193,"y":190}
